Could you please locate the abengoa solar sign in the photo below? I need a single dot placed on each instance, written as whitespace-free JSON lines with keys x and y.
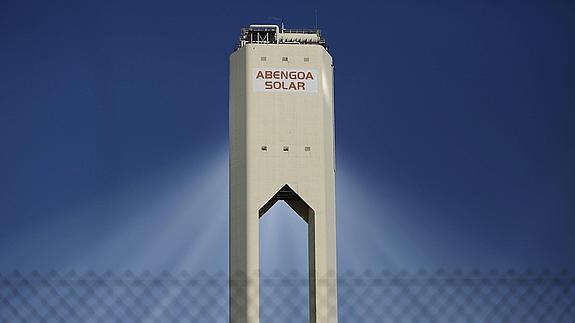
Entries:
{"x":285,"y":80}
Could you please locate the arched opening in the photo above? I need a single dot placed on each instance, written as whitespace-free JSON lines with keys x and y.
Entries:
{"x":284,"y":258}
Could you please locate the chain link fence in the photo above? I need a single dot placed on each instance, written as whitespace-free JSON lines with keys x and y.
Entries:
{"x":388,"y":296}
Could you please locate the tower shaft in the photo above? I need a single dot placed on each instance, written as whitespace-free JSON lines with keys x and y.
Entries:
{"x":281,"y":148}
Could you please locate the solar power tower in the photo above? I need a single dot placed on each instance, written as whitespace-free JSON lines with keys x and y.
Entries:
{"x":281,"y":148}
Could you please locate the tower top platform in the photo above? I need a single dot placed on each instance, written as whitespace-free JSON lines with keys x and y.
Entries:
{"x":274,"y":34}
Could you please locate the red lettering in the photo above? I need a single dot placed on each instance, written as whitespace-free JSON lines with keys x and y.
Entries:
{"x":279,"y":79}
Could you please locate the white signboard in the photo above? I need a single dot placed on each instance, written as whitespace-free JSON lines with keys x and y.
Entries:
{"x":285,"y":80}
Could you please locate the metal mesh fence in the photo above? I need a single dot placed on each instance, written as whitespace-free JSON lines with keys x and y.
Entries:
{"x":401,"y":296}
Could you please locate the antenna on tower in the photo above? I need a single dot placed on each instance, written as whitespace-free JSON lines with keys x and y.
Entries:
{"x":281,"y":20}
{"x":316,"y":19}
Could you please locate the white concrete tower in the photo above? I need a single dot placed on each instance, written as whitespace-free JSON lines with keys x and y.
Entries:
{"x":281,"y":148}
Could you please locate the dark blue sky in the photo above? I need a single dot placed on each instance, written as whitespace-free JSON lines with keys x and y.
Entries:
{"x":454,"y":127}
